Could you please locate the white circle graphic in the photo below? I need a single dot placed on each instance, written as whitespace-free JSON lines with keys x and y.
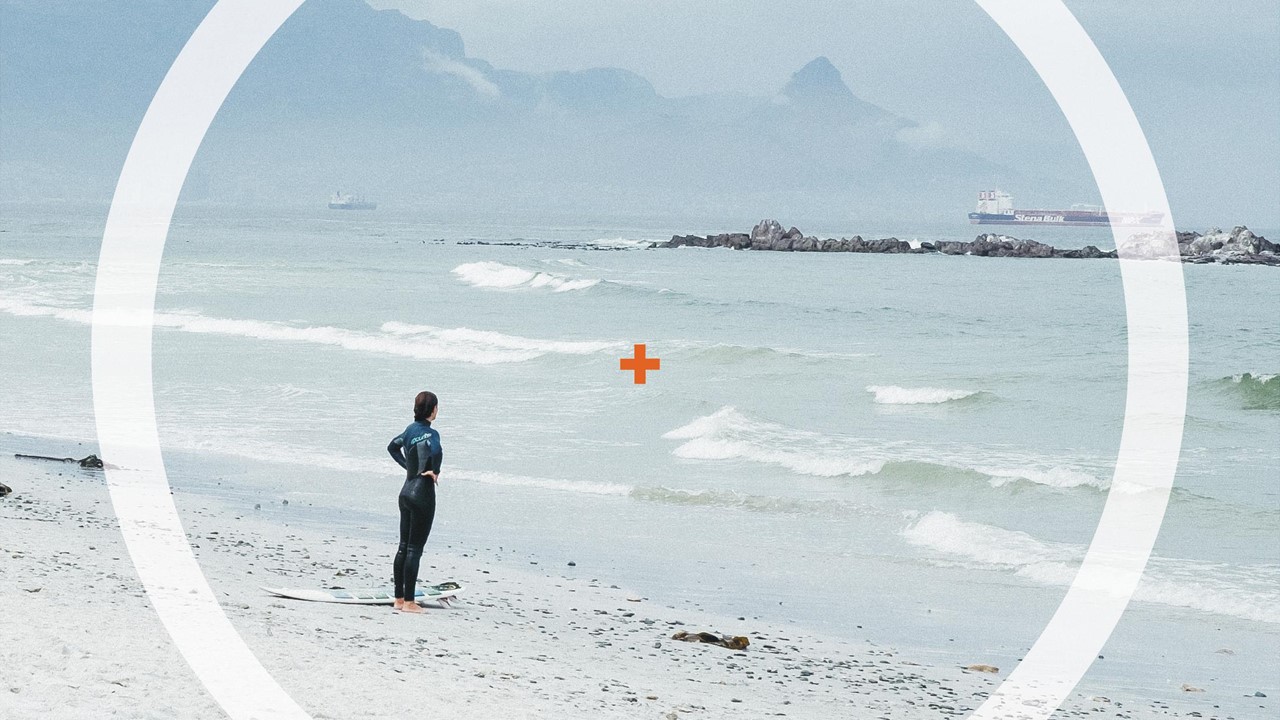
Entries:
{"x":137,"y":226}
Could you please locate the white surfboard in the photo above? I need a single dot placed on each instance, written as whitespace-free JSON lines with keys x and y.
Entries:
{"x":365,"y":596}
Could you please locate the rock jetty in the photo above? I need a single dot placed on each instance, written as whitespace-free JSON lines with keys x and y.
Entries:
{"x":1238,"y":246}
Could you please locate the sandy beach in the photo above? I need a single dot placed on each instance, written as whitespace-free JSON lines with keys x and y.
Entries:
{"x":528,"y":639}
{"x":790,"y":362}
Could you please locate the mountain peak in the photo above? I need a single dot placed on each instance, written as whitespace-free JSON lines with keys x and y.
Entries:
{"x":818,"y":80}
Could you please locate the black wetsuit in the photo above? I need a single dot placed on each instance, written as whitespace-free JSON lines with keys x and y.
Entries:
{"x":417,"y":449}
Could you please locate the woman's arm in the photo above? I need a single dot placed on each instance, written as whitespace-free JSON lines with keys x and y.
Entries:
{"x":396,"y":448}
{"x":433,"y":466}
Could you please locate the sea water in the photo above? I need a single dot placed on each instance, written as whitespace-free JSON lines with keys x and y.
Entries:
{"x":912,"y":449}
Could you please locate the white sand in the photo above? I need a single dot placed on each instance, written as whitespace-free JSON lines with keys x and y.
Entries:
{"x":78,"y":638}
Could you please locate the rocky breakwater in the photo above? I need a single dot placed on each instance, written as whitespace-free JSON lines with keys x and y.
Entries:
{"x":1238,"y":246}
{"x":769,"y":235}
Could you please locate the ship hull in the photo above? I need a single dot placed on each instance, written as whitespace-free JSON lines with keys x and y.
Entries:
{"x":1067,"y":218}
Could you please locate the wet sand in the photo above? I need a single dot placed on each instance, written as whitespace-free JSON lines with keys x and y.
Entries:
{"x":526,"y":640}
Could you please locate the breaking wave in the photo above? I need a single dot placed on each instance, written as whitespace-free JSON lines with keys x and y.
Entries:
{"x":1256,"y":392}
{"x":728,"y":434}
{"x":722,"y":499}
{"x":1244,"y":592}
{"x":621,"y":243}
{"x":498,"y":340}
{"x":420,"y":342}
{"x":495,"y":275}
{"x":894,"y":395}
{"x":729,"y":353}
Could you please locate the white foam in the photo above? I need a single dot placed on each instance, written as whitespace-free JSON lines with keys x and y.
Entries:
{"x":495,"y":275}
{"x":730,"y":349}
{"x":12,"y":261}
{"x":1054,"y":476}
{"x":1244,"y":592}
{"x":498,"y":340}
{"x":728,"y":434}
{"x":421,"y":342}
{"x":1242,"y":377}
{"x":894,"y":395}
{"x":523,"y":481}
{"x":820,"y":354}
{"x":623,"y":243}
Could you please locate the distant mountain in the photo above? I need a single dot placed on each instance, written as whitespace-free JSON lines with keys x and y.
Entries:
{"x":819,"y":87}
{"x":348,"y":96}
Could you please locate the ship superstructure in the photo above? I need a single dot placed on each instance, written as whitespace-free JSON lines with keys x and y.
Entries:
{"x":995,"y":207}
{"x":347,"y":201}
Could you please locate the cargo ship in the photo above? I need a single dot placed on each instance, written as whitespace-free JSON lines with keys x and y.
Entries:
{"x":995,"y":207}
{"x":345,"y":201}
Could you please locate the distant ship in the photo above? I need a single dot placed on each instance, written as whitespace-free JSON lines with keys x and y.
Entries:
{"x":996,"y":208}
{"x":345,"y":201}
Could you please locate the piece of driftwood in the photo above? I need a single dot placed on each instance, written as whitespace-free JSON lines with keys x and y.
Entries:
{"x":90,"y":461}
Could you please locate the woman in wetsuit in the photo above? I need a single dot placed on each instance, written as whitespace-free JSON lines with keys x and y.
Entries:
{"x":417,"y":450}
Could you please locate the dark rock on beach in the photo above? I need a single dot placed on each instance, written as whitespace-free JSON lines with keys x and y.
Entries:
{"x":1240,"y":246}
{"x":733,"y":642}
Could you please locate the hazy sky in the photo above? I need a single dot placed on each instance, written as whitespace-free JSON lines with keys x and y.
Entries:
{"x":1203,"y":77}
{"x":752,"y":46}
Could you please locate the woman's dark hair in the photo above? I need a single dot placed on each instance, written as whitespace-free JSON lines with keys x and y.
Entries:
{"x":423,"y":405}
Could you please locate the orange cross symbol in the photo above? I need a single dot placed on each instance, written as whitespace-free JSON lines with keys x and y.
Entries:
{"x":639,"y":364}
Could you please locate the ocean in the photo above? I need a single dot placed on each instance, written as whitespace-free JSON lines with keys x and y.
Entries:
{"x":913,"y":449}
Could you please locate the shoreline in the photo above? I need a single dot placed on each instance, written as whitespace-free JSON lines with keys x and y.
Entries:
{"x":532,"y":642}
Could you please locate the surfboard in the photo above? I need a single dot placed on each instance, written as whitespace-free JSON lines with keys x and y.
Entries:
{"x":365,"y":596}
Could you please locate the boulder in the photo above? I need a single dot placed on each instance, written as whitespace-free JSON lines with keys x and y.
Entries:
{"x":1240,"y":246}
{"x":91,"y":461}
{"x":1203,"y":245}
{"x":886,"y":245}
{"x":1091,"y":251}
{"x":1264,"y":258}
{"x":1242,"y":240}
{"x":733,"y":642}
{"x":952,"y":247}
{"x":1147,"y":246}
{"x":765,"y":232}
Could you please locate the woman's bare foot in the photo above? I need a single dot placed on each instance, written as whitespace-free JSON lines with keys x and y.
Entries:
{"x":399,"y":604}
{"x":411,"y":607}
